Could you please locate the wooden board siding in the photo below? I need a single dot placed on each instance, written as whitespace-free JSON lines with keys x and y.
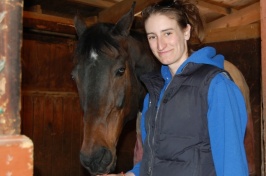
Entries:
{"x":55,"y":125}
{"x":47,"y":63}
{"x":50,"y":109}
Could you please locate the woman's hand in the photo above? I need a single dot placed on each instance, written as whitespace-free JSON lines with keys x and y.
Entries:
{"x":112,"y":175}
{"x":120,"y":174}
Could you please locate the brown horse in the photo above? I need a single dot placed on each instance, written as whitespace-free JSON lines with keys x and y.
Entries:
{"x":110,"y":58}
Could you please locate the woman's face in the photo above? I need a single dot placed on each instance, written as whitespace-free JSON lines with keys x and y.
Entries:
{"x":167,"y":41}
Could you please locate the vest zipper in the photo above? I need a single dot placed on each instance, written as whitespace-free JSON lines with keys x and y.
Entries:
{"x":152,"y":152}
{"x":156,"y":116}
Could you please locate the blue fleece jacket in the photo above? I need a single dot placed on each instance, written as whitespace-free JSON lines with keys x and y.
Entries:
{"x":227,"y":117}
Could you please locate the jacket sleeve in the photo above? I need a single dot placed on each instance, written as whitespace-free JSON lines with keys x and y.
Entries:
{"x":227,"y":119}
{"x":139,"y":141}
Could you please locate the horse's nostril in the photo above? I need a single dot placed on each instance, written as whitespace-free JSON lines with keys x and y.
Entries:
{"x":100,"y":161}
{"x":105,"y":156}
{"x":85,"y":161}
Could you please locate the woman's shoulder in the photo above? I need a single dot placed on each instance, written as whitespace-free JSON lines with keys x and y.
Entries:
{"x":223,"y":79}
{"x":222,"y":84}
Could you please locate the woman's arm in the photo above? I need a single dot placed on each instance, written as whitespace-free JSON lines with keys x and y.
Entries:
{"x":227,"y":118}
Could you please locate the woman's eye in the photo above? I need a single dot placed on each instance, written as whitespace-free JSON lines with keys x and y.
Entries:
{"x":120,"y":71}
{"x":168,"y":33}
{"x":151,"y":37}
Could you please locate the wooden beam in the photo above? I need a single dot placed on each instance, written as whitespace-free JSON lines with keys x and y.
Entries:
{"x":263,"y":86}
{"x":52,"y":23}
{"x":233,"y":33}
{"x":113,"y":13}
{"x":96,"y":3}
{"x":213,"y":8}
{"x":244,"y":16}
{"x":10,"y":67}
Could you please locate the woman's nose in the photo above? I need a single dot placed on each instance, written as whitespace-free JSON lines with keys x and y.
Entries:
{"x":161,"y":44}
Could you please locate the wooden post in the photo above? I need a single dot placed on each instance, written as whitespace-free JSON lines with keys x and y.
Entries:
{"x":263,"y":78}
{"x":16,"y":151}
{"x":10,"y":71}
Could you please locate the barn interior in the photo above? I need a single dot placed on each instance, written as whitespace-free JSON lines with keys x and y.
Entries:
{"x":50,"y":112}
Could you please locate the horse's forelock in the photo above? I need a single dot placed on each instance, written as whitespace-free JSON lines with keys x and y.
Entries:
{"x":98,"y":38}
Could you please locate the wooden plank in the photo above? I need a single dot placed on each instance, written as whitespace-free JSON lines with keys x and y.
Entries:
{"x":32,"y":67}
{"x":45,"y":17}
{"x":113,"y":13}
{"x":213,"y":7}
{"x":38,"y":109}
{"x":52,"y":69}
{"x":96,"y":3}
{"x":49,"y":93}
{"x":77,"y":135}
{"x":57,"y":152}
{"x":27,"y":116}
{"x":44,"y":66}
{"x":67,"y":134}
{"x":47,"y":134}
{"x":56,"y":66}
{"x":232,"y":33}
{"x":52,"y":23}
{"x":244,"y":16}
{"x":61,"y":65}
{"x":25,"y":59}
{"x":236,"y":3}
{"x":263,"y":86}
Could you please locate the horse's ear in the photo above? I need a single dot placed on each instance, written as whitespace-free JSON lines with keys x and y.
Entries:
{"x":80,"y":24}
{"x":122,"y":27}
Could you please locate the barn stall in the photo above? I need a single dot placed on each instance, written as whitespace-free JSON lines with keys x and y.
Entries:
{"x":50,"y":113}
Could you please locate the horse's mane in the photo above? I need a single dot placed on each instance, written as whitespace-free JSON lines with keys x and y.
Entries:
{"x":147,"y":61}
{"x":140,"y":35}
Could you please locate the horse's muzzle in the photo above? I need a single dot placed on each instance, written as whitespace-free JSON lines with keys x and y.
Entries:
{"x":99,"y":162}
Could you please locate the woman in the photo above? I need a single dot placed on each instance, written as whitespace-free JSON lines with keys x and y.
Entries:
{"x":194,"y":116}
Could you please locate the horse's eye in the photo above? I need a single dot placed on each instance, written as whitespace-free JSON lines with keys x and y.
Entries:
{"x":120,"y":71}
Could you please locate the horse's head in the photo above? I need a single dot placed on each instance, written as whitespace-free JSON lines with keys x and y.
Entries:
{"x":108,"y":87}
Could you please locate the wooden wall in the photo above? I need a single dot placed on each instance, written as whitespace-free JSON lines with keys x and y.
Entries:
{"x":54,"y":124}
{"x":51,"y":115}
